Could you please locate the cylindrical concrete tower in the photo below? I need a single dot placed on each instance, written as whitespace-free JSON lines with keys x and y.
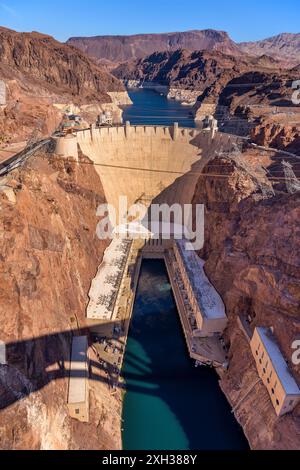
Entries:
{"x":66,"y":146}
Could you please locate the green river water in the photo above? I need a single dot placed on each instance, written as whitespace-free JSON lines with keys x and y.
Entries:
{"x":169,"y":404}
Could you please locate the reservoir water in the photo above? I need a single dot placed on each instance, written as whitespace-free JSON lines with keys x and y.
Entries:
{"x":152,"y":108}
{"x":169,"y":404}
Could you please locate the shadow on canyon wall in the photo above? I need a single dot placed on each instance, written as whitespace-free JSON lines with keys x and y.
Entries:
{"x":33,"y":363}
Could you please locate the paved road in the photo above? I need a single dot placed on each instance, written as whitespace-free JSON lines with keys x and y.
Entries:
{"x":11,"y":150}
{"x":19,"y":158}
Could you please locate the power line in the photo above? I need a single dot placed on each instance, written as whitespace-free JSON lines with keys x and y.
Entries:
{"x":188,"y":173}
{"x":229,"y":84}
{"x":166,"y":114}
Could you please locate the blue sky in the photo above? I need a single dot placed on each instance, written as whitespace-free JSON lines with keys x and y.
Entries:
{"x":244,"y":21}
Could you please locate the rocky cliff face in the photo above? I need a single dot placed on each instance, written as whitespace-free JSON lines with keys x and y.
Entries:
{"x":278,"y":133}
{"x":257,"y":97}
{"x":40,"y":72}
{"x":49,"y":253}
{"x":26,"y":115}
{"x":181,"y":68}
{"x":124,"y":48}
{"x":252,"y":257}
{"x":42,"y":62}
{"x":261,"y":88}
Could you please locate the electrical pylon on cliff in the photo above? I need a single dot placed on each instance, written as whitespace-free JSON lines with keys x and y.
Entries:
{"x":291,"y":180}
{"x":35,"y":135}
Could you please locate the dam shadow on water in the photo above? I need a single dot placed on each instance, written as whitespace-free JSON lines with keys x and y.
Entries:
{"x":170,"y":404}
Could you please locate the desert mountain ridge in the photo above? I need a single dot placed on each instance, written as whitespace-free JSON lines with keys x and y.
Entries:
{"x":284,"y":47}
{"x":124,"y":48}
{"x":191,"y":69}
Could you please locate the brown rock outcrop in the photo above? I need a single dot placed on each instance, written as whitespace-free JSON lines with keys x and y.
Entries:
{"x":49,"y":253}
{"x":40,"y":72}
{"x":278,"y":133}
{"x":27,"y":115}
{"x":261,"y":88}
{"x":40,"y":61}
{"x":252,"y":256}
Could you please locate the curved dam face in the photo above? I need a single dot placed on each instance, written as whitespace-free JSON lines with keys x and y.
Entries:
{"x":149,"y":163}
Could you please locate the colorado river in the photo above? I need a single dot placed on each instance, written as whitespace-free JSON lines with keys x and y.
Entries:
{"x":169,"y":404}
{"x":149,"y":107}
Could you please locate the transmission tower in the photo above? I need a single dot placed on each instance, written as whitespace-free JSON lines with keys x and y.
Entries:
{"x":291,"y":181}
{"x":35,"y":134}
{"x":267,"y":191}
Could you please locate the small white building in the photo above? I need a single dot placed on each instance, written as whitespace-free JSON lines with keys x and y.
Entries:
{"x":105,"y":119}
{"x":207,"y":305}
{"x":210,"y":124}
{"x":78,"y":397}
{"x":274,"y":371}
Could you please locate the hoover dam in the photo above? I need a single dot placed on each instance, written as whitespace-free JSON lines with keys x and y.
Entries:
{"x":147,"y":163}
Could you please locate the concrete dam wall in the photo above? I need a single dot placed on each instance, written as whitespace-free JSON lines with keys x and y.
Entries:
{"x":147,"y":163}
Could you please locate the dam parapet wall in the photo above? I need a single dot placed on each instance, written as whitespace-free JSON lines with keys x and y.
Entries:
{"x":128,"y":131}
